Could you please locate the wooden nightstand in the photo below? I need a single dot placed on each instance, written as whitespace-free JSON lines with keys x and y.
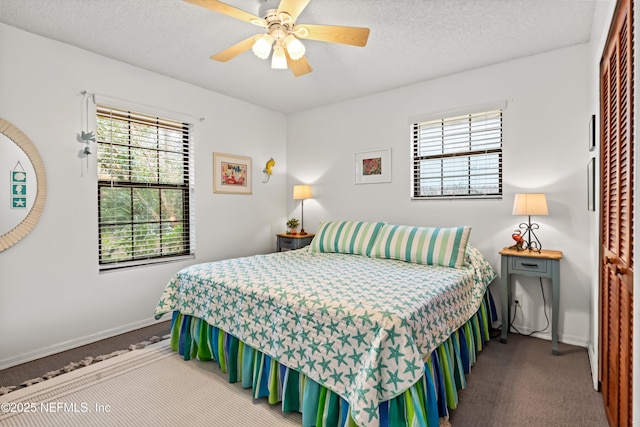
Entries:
{"x":289,"y":242}
{"x":538,"y":264}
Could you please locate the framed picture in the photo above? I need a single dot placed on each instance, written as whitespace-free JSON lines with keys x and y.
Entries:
{"x":231,"y":174}
{"x":373,"y":166}
{"x":591,"y":184}
{"x":592,"y":133}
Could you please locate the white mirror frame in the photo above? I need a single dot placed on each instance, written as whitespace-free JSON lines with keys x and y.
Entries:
{"x":14,"y":235}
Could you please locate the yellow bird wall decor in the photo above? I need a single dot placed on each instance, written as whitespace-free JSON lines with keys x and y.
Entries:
{"x":268,"y":169}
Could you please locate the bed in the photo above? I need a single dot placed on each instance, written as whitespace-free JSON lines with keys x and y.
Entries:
{"x":371,"y":325}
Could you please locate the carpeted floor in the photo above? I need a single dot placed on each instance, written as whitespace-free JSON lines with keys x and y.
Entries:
{"x":153,"y":386}
{"x":16,"y":375}
{"x":515,"y":384}
{"x":522,"y":384}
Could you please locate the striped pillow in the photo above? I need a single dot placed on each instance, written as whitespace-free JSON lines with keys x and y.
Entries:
{"x":346,"y":237}
{"x":423,"y":245}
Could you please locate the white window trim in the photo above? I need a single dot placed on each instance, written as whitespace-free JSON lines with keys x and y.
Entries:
{"x":463,"y":111}
{"x":159,"y":112}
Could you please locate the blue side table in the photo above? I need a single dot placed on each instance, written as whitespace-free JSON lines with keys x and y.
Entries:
{"x":290,"y":242}
{"x":544,"y":264}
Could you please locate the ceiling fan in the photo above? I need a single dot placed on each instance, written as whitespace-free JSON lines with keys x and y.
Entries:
{"x":283,"y":34}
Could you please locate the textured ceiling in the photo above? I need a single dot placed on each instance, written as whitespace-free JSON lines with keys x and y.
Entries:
{"x":410,"y":41}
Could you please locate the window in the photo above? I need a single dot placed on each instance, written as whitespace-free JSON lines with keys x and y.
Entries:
{"x":458,"y":157}
{"x":144,"y":183}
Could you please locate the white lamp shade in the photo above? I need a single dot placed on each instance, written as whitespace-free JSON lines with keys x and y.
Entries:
{"x":262,"y":46}
{"x":278,"y":59}
{"x":301,"y":192}
{"x":294,"y":47}
{"x":530,"y":204}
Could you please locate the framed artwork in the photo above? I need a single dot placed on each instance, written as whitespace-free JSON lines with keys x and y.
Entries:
{"x":231,"y":174}
{"x":591,"y":184}
{"x":592,"y":133}
{"x":373,"y":166}
{"x":18,"y":187}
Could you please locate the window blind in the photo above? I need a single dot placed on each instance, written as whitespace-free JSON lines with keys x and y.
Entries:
{"x":458,"y":157}
{"x":144,"y":186}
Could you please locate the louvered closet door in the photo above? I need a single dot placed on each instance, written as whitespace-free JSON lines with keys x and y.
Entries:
{"x":616,"y":191}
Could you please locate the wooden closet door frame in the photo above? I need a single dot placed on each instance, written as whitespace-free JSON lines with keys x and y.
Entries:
{"x":617,"y":228}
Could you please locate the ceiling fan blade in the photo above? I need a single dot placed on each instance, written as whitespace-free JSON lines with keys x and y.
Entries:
{"x":225,"y":9}
{"x":355,"y":36}
{"x":235,"y":50}
{"x":292,"y":7}
{"x":299,"y":67}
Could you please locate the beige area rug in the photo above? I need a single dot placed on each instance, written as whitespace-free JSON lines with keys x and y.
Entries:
{"x":153,"y":386}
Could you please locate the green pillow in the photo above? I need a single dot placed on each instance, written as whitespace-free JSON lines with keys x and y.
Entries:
{"x":422,"y":245}
{"x":346,"y":237}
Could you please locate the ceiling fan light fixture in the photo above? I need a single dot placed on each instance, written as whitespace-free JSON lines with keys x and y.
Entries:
{"x":295,"y":47}
{"x":284,"y":34}
{"x":262,"y":46}
{"x":278,"y":59}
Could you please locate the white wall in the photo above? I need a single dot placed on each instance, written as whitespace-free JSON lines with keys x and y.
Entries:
{"x":601,"y":22}
{"x":52,"y":297}
{"x":51,"y":294}
{"x":545,"y":141}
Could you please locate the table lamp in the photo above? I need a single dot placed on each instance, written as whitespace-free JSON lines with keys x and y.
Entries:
{"x":530,"y":204}
{"x":301,"y":192}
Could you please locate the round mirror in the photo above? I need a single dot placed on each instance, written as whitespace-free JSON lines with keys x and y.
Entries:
{"x":22,"y":175}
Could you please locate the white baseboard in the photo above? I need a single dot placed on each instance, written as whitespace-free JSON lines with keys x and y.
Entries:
{"x":67,"y":345}
{"x":564,"y":338}
{"x":593,"y":361}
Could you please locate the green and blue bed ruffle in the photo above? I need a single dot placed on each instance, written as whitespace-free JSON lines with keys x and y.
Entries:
{"x":422,"y":404}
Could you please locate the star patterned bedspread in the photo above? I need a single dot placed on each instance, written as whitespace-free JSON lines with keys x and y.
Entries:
{"x":360,"y":326}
